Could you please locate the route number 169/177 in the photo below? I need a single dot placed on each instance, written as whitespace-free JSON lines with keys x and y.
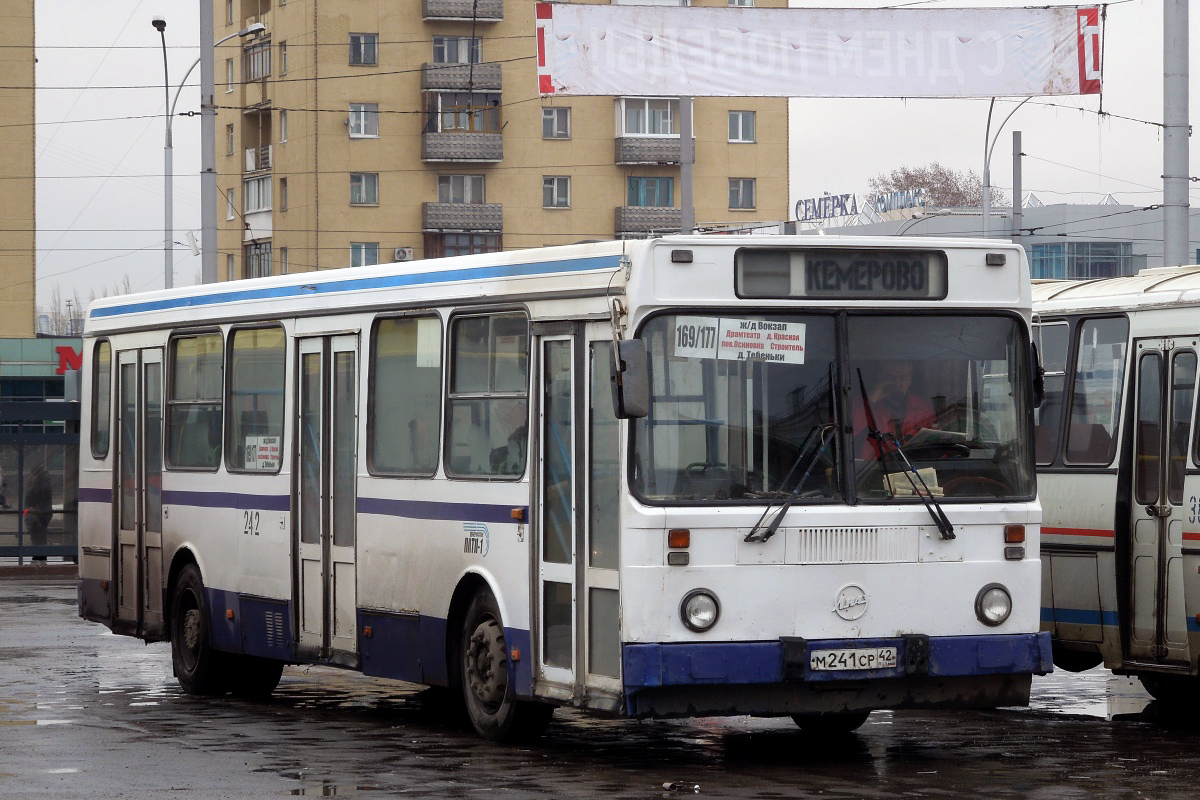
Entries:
{"x":250,"y":520}
{"x":695,"y":336}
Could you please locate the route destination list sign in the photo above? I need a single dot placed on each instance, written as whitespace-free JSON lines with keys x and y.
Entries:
{"x":732,"y":339}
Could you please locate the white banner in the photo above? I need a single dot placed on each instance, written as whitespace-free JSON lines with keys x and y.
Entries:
{"x":796,"y":52}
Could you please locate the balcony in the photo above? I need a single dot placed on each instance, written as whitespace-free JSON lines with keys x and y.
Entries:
{"x":462,"y":146}
{"x":481,"y":11}
{"x":460,"y":77}
{"x":464,"y":217}
{"x":644,"y":220}
{"x":649,"y":150}
{"x":258,"y":159}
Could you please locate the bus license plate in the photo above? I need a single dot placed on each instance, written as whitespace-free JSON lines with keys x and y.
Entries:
{"x":860,"y":658}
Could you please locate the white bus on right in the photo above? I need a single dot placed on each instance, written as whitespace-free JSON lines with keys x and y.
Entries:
{"x":1119,"y":476}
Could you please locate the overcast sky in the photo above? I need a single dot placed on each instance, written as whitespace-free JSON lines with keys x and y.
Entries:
{"x":101,"y":130}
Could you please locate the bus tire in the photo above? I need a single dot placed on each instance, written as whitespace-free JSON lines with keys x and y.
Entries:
{"x":484,"y":676}
{"x":1074,"y":660}
{"x":255,"y":678}
{"x":838,"y":724}
{"x":198,"y":667}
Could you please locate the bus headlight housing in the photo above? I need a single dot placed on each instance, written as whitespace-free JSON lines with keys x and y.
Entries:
{"x":993,"y":604}
{"x":699,"y":609}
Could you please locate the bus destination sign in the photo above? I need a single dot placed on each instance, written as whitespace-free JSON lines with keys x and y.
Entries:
{"x":828,"y":274}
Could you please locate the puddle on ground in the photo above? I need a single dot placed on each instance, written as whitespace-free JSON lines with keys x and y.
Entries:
{"x":1094,"y":693}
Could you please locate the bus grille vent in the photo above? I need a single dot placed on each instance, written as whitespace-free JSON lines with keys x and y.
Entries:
{"x":854,"y":546}
{"x":275,"y":631}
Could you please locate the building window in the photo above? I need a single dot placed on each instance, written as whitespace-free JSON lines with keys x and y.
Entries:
{"x":364,"y":120}
{"x":229,"y":267}
{"x":460,"y":189}
{"x":228,"y":140}
{"x":406,"y":406}
{"x":228,"y":12}
{"x":741,"y":3}
{"x":472,"y":112}
{"x":194,"y":402}
{"x":364,"y":189}
{"x":258,"y":259}
{"x":256,"y":194}
{"x":228,"y":75}
{"x":283,"y":261}
{"x":364,"y":254}
{"x":1080,"y":260}
{"x":229,"y":200}
{"x":457,"y":49}
{"x":654,"y":192}
{"x":256,"y":61}
{"x":556,"y":123}
{"x":283,"y":58}
{"x":556,"y":191}
{"x":282,"y":126}
{"x":649,"y":116}
{"x":283,"y":198}
{"x":741,"y":193}
{"x":363,"y":47}
{"x":255,"y":399}
{"x":440,"y":245}
{"x":741,"y":126}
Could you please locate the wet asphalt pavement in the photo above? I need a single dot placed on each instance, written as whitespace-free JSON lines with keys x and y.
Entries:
{"x":85,"y":714}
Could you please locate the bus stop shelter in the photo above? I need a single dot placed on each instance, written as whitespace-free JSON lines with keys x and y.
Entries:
{"x":39,"y":480}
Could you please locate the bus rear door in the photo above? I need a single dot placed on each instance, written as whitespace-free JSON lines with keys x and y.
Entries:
{"x":138,"y":545}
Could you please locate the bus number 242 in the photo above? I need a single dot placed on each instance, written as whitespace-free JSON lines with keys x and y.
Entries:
{"x":250,"y":521}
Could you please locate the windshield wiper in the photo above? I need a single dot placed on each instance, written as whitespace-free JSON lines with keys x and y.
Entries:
{"x":755,"y":534}
{"x":914,"y":477}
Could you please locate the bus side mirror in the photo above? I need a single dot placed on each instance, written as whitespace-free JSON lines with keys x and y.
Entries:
{"x":630,"y":380}
{"x":1039,"y":375}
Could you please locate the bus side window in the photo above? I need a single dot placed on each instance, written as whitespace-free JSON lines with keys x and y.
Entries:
{"x":194,"y":403}
{"x":406,"y":396}
{"x":1052,"y":340}
{"x":1097,"y":382}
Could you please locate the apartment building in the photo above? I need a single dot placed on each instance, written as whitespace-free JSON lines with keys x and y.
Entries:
{"x":18,"y":238}
{"x":359,"y":131}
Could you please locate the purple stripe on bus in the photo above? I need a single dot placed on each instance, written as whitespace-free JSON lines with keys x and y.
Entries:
{"x":264,"y":502}
{"x":94,"y":495}
{"x":426,"y":509}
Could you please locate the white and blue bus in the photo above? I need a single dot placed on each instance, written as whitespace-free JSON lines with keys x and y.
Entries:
{"x":637,"y":477}
{"x":1119,"y":471}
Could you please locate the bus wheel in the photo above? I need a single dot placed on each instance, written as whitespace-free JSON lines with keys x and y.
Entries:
{"x":488,"y":695}
{"x":1176,"y":692}
{"x":256,"y":678}
{"x":1074,"y":660}
{"x":199,"y":668}
{"x":831,"y":724}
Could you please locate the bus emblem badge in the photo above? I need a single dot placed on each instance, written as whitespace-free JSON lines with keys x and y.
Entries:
{"x":851,"y":602}
{"x":478,"y":540}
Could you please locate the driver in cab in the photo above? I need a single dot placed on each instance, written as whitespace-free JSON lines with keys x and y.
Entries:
{"x":895,"y":408}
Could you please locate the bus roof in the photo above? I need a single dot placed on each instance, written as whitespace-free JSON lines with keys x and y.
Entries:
{"x":1155,"y":287}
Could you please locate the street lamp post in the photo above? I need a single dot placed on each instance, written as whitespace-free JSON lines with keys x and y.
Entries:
{"x":160,"y":25}
{"x":989,"y":144}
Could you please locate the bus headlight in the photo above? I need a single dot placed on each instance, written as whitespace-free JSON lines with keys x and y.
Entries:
{"x":699,"y":609}
{"x":993,"y":604}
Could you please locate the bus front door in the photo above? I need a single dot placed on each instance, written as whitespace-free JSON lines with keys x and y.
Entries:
{"x":578,"y":470}
{"x":326,"y":448}
{"x":138,"y":546}
{"x":1166,"y":388}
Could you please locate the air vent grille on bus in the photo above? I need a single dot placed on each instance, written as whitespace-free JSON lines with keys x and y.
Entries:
{"x":853,"y":546}
{"x":276,"y":632}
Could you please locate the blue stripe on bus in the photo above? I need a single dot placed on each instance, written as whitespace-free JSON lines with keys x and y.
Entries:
{"x":428,"y":509}
{"x":359,"y":284}
{"x":1079,"y":616}
{"x":265,"y":502}
{"x":95,"y":495}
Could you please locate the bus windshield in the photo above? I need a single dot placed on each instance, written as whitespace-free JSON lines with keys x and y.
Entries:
{"x":742,"y":408}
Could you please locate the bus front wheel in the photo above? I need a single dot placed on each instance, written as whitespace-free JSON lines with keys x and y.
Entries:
{"x":484,"y":676}
{"x":831,"y":724}
{"x":198,"y":667}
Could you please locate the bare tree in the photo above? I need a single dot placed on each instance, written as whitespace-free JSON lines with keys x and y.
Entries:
{"x":944,"y":187}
